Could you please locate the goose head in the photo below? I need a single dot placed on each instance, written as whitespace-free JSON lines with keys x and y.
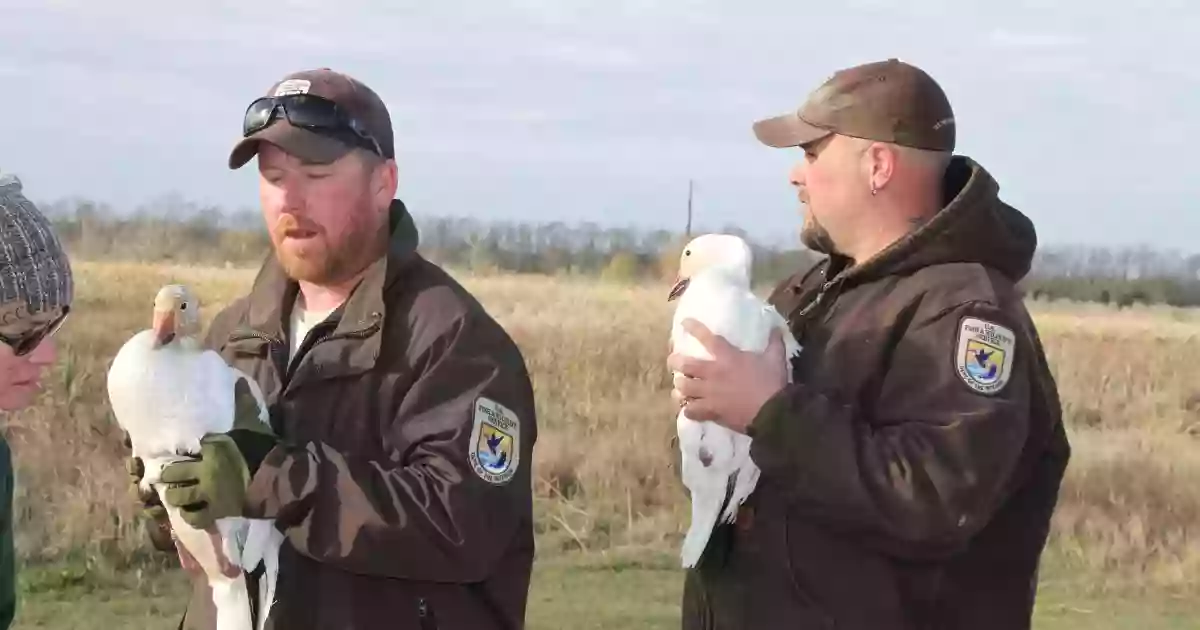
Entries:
{"x":176,"y":315}
{"x":723,"y":254}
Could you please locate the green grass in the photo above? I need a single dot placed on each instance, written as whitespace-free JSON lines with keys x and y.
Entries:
{"x":1123,"y":551}
{"x":582,"y":592}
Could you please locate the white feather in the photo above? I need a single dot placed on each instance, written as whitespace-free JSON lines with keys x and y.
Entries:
{"x":167,"y":398}
{"x":717,"y":270}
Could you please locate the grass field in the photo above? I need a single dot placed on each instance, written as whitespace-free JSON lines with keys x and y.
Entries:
{"x":1125,"y":550}
{"x":581,"y":592}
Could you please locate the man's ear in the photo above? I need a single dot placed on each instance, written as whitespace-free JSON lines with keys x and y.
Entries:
{"x":389,"y":181}
{"x":881,"y":164}
{"x":382,"y":179}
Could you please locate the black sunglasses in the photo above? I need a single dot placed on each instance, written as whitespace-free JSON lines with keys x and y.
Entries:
{"x":24,"y":344}
{"x":310,"y":112}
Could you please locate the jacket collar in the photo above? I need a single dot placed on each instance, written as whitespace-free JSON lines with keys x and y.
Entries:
{"x":273,"y":292}
{"x":974,"y":226}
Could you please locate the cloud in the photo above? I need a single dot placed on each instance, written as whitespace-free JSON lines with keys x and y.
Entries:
{"x":569,"y":108}
{"x":589,"y":56}
{"x":1033,"y":40}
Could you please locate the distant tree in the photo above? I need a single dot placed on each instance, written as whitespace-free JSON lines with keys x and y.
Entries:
{"x":623,"y":266}
{"x":173,"y":228}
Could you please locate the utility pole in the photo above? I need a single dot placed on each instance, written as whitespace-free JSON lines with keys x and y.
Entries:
{"x":688,"y":232}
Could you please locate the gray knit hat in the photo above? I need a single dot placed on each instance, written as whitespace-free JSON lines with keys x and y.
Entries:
{"x":35,"y":275}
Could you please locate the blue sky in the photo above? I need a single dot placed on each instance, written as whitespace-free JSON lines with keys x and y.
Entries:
{"x":574,"y":111}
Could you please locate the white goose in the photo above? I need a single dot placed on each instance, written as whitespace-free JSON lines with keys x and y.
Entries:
{"x":167,"y":392}
{"x":713,"y":287}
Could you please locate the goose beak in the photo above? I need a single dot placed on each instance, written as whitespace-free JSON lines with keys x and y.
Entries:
{"x":677,"y":290}
{"x":163,"y":327}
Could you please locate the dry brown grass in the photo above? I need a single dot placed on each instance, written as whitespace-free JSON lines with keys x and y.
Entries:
{"x":1129,"y":515}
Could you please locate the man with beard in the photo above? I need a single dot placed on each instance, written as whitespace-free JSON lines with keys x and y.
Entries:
{"x":404,"y":413}
{"x":910,"y":471}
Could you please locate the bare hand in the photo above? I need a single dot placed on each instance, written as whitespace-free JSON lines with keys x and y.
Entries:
{"x":732,"y":387}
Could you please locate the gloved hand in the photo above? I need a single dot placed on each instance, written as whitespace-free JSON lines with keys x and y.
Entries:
{"x":158,"y":526}
{"x":213,"y":485}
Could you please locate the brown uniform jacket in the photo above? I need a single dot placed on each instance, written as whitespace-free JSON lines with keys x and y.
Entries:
{"x":910,"y":472}
{"x":391,"y":408}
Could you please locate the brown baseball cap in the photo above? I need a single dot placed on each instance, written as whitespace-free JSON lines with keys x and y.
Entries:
{"x":351,"y":95}
{"x":886,"y":101}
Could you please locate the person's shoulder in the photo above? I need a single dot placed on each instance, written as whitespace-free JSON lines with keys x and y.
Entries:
{"x":432,"y":294}
{"x":224,"y":322}
{"x":433,"y":303}
{"x":960,"y":283}
{"x":232,"y":308}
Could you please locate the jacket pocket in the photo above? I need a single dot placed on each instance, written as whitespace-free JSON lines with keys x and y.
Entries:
{"x":780,"y":595}
{"x":803,"y":594}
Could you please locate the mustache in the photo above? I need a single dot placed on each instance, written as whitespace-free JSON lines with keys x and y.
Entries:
{"x":289,"y":223}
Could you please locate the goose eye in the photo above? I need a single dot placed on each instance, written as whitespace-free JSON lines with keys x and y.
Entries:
{"x":183,"y":307}
{"x":687,"y":252}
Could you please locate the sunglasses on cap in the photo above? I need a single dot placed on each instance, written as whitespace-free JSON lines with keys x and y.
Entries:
{"x":25,"y":343}
{"x":310,"y":112}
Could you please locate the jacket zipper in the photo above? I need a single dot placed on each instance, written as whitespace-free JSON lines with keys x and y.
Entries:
{"x":801,"y":316}
{"x":311,"y":339}
{"x":318,"y":335}
{"x":816,"y":301}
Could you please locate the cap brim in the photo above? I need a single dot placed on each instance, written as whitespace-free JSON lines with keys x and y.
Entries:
{"x":788,"y":130}
{"x":307,"y":145}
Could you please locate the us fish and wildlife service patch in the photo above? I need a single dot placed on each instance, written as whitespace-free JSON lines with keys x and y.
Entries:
{"x":984,"y":355}
{"x":495,"y":441}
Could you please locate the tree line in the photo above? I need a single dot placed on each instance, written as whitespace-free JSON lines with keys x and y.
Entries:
{"x":172,"y":229}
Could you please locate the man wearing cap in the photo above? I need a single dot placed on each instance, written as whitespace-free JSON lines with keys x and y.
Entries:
{"x":404,"y":412}
{"x":910,"y":471}
{"x":36,"y":289}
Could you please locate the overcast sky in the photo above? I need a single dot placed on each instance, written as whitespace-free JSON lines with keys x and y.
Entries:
{"x":601,"y":111}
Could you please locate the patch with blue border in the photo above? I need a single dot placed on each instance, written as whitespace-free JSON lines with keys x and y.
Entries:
{"x":984,"y":355}
{"x":495,"y":441}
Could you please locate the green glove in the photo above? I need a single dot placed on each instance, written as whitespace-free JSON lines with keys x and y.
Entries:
{"x":214,"y":485}
{"x":158,"y":524}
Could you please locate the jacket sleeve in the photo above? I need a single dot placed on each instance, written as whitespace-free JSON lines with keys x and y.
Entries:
{"x":921,"y":467}
{"x":8,"y":552}
{"x":445,"y":512}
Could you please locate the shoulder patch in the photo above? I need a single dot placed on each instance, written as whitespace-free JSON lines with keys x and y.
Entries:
{"x":984,"y":355}
{"x":495,"y":441}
